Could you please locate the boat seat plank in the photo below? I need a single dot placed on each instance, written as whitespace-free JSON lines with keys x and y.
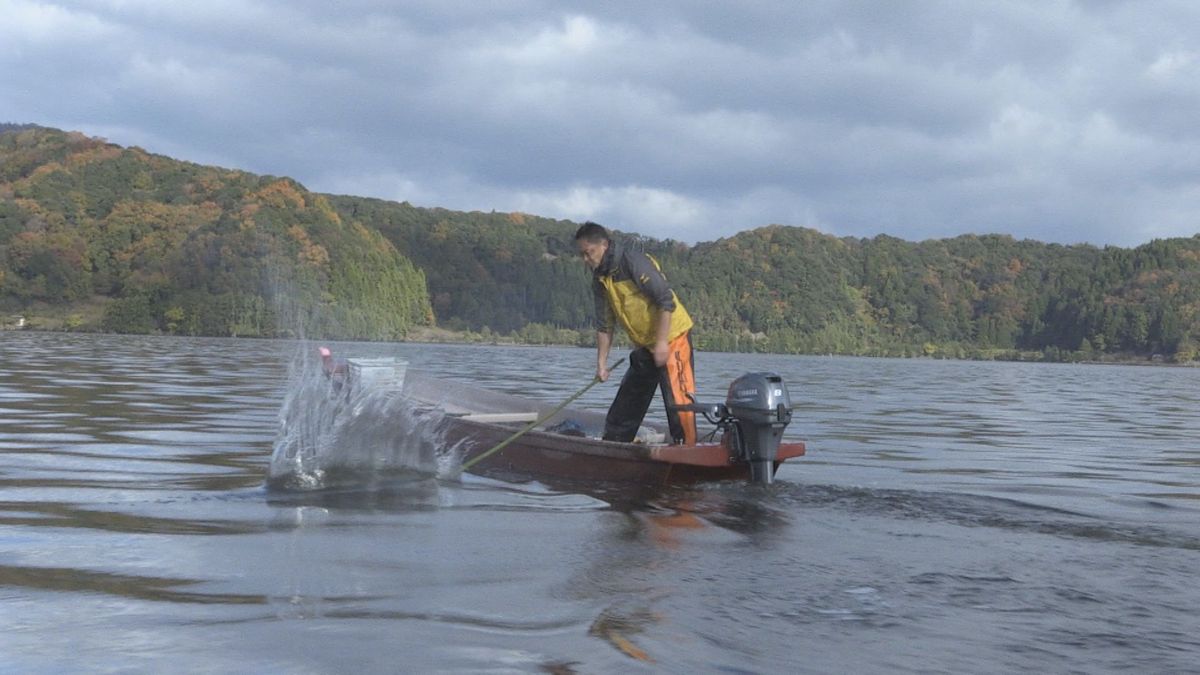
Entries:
{"x":499,"y":418}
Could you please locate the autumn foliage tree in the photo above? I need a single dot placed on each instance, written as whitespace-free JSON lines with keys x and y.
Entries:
{"x":176,"y":247}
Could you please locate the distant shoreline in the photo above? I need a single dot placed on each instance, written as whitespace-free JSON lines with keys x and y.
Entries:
{"x":443,"y":336}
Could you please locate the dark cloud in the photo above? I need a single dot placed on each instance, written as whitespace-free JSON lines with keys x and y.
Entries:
{"x":1062,"y":121}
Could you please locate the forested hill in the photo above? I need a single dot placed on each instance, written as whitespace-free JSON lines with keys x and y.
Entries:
{"x":495,"y":271}
{"x":801,"y":291}
{"x":170,"y":246}
{"x":143,"y":243}
{"x":796,"y":290}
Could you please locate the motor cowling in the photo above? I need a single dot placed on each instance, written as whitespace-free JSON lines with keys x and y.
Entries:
{"x":761,"y":408}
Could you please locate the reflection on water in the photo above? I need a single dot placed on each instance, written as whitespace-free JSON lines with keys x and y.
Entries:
{"x":388,"y":492}
{"x":949,"y":516}
{"x":122,"y":585}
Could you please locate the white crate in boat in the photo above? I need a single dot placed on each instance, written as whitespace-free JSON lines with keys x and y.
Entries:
{"x":382,"y":372}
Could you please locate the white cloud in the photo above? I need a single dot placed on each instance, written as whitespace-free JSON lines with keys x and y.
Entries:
{"x":1061,"y":120}
{"x":575,"y":36}
{"x":1174,"y":64}
{"x":650,"y":211}
{"x":44,"y":25}
{"x":394,"y":186}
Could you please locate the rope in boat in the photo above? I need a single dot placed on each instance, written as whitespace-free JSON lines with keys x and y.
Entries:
{"x":474,"y":460}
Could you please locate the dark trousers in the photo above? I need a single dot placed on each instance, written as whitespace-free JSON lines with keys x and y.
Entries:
{"x":636,"y":392}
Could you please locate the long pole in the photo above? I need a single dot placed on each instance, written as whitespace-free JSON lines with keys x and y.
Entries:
{"x":474,"y":460}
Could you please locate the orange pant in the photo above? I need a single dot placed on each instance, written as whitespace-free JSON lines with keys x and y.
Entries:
{"x":682,"y":377}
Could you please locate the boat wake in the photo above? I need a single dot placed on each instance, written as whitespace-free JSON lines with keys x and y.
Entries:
{"x":352,"y":438}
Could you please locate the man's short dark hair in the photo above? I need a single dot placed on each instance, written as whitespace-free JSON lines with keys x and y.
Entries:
{"x":592,"y":232}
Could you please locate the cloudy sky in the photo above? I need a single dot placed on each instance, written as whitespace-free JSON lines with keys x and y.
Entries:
{"x":1065,"y":121}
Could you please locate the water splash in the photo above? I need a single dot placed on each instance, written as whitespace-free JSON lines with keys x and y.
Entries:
{"x":333,"y":433}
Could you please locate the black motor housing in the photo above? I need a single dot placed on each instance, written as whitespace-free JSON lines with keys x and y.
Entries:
{"x":762,"y":409}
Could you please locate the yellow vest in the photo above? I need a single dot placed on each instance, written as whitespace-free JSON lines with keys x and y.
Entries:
{"x":638,"y":314}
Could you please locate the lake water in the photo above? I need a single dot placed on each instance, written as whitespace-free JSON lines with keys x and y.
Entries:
{"x":949,"y":517}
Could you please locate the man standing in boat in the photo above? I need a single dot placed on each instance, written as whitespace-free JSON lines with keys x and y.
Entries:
{"x":630,"y":288}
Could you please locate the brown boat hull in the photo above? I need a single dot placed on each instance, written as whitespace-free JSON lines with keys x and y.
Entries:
{"x":539,"y":453}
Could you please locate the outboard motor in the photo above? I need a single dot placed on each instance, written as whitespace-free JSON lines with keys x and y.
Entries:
{"x":753,"y":417}
{"x":761,"y":409}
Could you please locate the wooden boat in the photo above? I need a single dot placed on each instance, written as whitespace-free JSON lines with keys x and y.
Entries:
{"x":566,"y":443}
